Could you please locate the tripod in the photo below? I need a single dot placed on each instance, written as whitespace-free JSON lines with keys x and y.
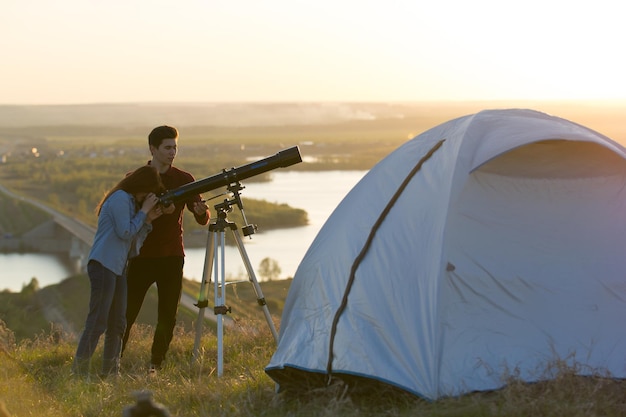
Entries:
{"x":215,"y":253}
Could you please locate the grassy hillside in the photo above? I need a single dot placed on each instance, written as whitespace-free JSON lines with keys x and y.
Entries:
{"x":36,"y":356}
{"x":35,"y":377}
{"x":17,"y":217}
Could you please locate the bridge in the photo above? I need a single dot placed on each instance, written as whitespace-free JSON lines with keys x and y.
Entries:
{"x":60,"y":234}
{"x":63,"y":234}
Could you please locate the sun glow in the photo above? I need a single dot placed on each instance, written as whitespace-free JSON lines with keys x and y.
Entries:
{"x":369,"y":50}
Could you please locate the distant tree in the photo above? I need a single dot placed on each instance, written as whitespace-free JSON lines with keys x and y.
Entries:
{"x":32,"y":287}
{"x":269,"y":269}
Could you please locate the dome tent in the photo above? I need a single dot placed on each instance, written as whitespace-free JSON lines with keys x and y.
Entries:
{"x":493,"y":242}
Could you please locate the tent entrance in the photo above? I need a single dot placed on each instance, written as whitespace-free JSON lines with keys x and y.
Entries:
{"x":557,"y":158}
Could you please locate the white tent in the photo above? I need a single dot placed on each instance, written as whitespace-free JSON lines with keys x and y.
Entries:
{"x":489,"y":246}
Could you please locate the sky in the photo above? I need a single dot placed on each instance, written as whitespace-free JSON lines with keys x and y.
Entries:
{"x":119,"y":51}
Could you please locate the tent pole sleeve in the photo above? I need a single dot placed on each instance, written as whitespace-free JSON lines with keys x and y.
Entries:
{"x":365,"y":249}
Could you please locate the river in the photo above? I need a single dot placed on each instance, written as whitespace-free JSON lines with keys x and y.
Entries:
{"x":316,"y":192}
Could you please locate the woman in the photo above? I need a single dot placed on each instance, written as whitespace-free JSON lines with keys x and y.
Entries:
{"x":125,"y":217}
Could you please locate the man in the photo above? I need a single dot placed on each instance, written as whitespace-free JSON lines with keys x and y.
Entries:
{"x":161,"y":258}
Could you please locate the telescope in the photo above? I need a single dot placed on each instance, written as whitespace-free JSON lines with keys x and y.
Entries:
{"x":281,"y":159}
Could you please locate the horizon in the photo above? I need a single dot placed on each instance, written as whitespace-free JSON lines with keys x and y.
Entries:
{"x":604,"y":116}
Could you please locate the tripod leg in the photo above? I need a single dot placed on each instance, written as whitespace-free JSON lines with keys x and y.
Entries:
{"x":203,"y":294}
{"x":220,"y":300}
{"x":255,"y":283}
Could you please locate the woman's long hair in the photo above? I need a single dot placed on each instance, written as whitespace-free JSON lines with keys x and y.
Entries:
{"x":145,"y":179}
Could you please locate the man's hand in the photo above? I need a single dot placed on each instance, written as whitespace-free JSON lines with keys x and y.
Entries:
{"x":200,"y":208}
{"x":169,"y":209}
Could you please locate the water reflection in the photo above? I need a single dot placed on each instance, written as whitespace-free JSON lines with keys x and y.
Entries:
{"x":18,"y":269}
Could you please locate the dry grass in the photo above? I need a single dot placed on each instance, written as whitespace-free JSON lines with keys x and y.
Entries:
{"x":35,"y":376}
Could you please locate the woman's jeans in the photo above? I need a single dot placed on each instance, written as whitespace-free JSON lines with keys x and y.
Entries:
{"x":107,"y":313}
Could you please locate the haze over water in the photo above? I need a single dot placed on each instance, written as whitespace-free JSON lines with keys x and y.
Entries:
{"x":316,"y":192}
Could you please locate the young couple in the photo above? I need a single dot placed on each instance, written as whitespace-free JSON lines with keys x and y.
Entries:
{"x":138,"y":242}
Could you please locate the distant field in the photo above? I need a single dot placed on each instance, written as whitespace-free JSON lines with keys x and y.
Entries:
{"x":68,"y":156}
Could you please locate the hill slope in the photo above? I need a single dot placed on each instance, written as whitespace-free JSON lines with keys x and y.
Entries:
{"x":64,"y":306}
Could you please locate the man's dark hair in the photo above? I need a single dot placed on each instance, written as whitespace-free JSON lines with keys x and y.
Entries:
{"x":160,"y":133}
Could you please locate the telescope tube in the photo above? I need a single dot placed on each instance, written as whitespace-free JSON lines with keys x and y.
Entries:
{"x":281,"y":159}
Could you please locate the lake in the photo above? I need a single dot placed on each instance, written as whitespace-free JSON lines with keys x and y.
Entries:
{"x":316,"y":192}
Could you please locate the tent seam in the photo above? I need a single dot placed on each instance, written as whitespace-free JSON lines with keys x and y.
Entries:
{"x":365,"y":249}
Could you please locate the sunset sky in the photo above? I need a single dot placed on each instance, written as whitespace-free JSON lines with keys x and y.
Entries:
{"x":94,"y":51}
